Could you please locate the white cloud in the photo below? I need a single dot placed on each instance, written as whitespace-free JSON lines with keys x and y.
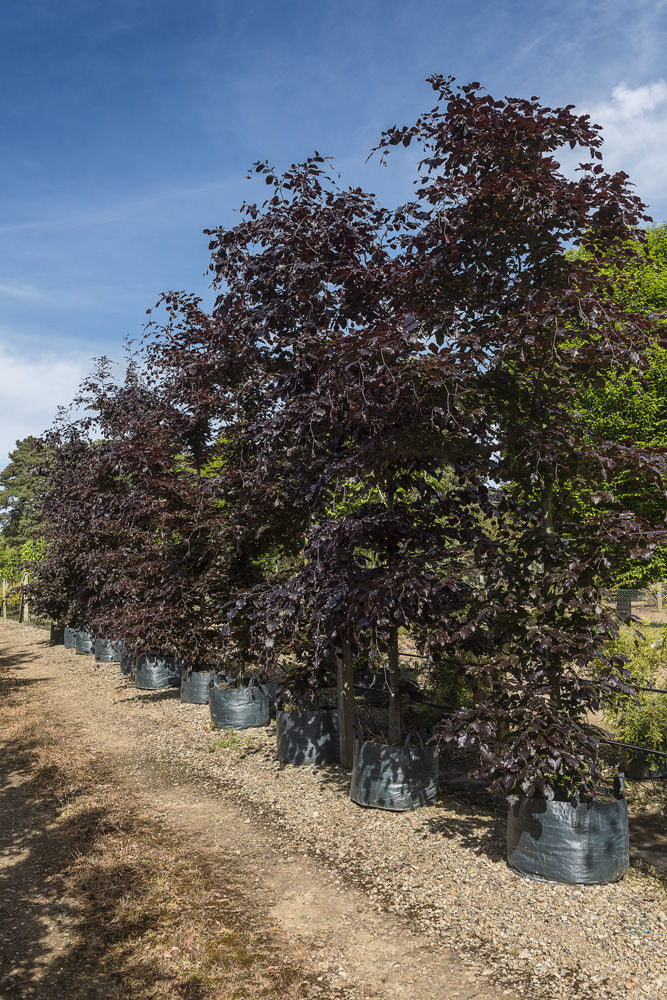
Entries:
{"x":32,"y":386}
{"x":628,"y":103}
{"x":634,"y":123}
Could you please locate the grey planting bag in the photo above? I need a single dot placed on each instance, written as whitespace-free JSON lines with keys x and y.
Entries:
{"x":57,"y":636}
{"x":194,"y":686}
{"x":572,"y":842}
{"x":128,"y":660}
{"x":394,"y":778}
{"x":84,"y":642}
{"x":237,"y":708}
{"x":308,"y":737}
{"x":69,"y":635}
{"x":155,"y":671}
{"x":107,"y":651}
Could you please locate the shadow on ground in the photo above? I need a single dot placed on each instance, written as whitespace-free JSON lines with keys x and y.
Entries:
{"x":97,"y":901}
{"x":15,"y":659}
{"x":46,"y":935}
{"x":480,"y":825}
{"x":164,"y":694}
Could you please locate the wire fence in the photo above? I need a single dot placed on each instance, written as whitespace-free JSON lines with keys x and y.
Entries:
{"x":15,"y":604}
{"x":629,"y":600}
{"x":15,"y":607}
{"x":637,"y":596}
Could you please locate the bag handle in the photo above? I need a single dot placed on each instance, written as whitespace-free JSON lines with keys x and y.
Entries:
{"x":408,"y":739}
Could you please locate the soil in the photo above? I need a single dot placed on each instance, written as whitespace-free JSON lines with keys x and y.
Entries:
{"x":124,"y":875}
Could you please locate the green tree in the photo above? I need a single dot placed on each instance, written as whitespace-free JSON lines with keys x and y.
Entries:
{"x":631,"y":405}
{"x":8,"y":560}
{"x":19,"y":486}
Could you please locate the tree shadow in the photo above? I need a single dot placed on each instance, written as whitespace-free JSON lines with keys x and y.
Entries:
{"x":479,"y":824}
{"x":157,"y":697}
{"x":52,"y":945}
{"x":336,"y":777}
{"x":16,"y":659}
{"x":20,"y":682}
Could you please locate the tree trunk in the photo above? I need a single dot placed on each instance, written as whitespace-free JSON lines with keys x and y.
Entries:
{"x":548,"y":524}
{"x":548,"y":505}
{"x":392,"y":650}
{"x":346,"y":705}
{"x":394,"y":699}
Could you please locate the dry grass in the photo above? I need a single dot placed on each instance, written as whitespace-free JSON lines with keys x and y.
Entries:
{"x":119,"y":909}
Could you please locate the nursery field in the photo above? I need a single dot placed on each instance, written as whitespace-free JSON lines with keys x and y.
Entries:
{"x":143,"y":854}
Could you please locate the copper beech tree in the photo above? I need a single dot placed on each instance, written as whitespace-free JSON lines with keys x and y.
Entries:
{"x":374,"y":434}
{"x":131,"y":523}
{"x":453,"y":333}
{"x":353,"y":422}
{"x":492,"y":282}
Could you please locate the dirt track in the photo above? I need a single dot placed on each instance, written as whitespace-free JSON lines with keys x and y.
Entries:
{"x":121,"y":875}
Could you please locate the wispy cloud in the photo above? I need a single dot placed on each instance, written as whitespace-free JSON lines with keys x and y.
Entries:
{"x":29,"y":298}
{"x":18,"y":290}
{"x":141,"y":208}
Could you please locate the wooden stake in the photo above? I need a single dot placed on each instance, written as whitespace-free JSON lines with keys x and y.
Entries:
{"x":26,"y":605}
{"x":392,"y":650}
{"x":346,"y":705}
{"x":394,"y":697}
{"x":4,"y":598}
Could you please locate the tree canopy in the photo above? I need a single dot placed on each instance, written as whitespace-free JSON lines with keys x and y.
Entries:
{"x":19,"y":486}
{"x":630,"y":405}
{"x":374,"y":431}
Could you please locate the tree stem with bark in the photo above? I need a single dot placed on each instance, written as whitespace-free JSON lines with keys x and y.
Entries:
{"x":346,"y":705}
{"x":392,"y":651}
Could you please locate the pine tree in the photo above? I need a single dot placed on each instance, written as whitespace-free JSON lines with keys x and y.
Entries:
{"x":19,"y":488}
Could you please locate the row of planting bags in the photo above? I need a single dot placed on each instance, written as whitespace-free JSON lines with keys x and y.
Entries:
{"x":572,"y":842}
{"x":383,"y":777}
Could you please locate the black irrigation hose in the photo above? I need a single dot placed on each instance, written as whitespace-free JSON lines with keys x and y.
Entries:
{"x":433,"y":704}
{"x":654,"y":690}
{"x":632,"y":746}
{"x":450,"y":708}
{"x":415,"y":701}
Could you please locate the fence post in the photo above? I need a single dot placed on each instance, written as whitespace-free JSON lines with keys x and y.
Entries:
{"x":4,"y":598}
{"x":658,"y":594}
{"x":26,"y":604}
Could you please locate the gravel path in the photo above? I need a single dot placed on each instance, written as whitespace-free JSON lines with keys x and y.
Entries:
{"x":443,"y":867}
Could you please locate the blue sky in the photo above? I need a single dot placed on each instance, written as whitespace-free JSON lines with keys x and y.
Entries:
{"x":128,"y":126}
